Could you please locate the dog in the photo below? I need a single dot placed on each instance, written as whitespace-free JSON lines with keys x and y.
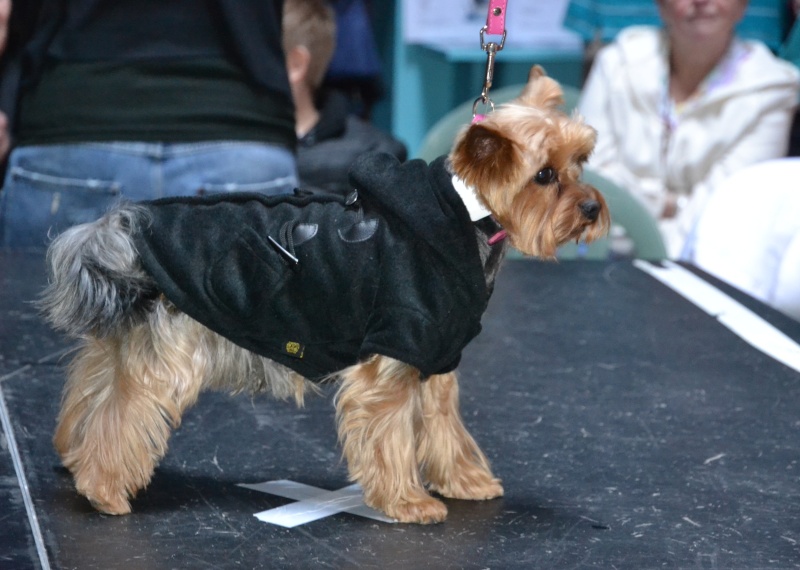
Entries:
{"x":379,"y":291}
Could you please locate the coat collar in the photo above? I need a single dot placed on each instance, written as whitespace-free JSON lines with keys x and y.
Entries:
{"x":477,"y":211}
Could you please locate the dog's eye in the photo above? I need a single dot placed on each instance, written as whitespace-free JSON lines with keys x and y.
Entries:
{"x":545,"y":176}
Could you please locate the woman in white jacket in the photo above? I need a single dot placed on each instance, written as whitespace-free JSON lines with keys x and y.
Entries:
{"x":679,"y":109}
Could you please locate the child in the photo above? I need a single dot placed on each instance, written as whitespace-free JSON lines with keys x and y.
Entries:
{"x":329,"y":137}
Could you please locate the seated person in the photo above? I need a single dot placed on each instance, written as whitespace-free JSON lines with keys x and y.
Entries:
{"x":679,"y":109}
{"x":601,"y":20}
{"x":329,"y":136}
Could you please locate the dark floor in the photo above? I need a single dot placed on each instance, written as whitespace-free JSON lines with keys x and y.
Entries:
{"x":631,"y":430}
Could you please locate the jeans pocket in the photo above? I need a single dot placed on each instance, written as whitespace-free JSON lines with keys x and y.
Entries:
{"x":35,"y":204}
{"x":280,"y":185}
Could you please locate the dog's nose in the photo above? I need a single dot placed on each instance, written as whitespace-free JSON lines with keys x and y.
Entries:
{"x":590,"y":209}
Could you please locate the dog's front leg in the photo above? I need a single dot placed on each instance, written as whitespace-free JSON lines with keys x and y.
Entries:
{"x":378,"y":414}
{"x":451,"y":460}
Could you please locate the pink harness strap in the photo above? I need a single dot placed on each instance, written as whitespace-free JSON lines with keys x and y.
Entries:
{"x":498,"y":237}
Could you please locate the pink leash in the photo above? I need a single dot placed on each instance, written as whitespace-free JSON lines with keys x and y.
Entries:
{"x":495,"y":26}
{"x":496,"y":19}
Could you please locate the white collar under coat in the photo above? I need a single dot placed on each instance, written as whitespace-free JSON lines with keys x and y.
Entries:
{"x":475,"y":207}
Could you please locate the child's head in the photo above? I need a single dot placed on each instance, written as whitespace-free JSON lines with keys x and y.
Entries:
{"x":309,"y":26}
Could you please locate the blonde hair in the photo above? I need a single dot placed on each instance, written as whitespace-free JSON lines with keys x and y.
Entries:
{"x":311,"y":24}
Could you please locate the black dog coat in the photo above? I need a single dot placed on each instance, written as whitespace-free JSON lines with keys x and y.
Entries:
{"x":318,"y":282}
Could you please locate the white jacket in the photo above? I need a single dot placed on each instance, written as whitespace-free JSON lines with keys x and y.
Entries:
{"x":743,"y":117}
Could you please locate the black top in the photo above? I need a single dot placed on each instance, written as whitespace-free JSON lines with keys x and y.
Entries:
{"x":245,"y":31}
{"x":397,"y":272}
{"x":181,"y":101}
{"x":217,"y":65}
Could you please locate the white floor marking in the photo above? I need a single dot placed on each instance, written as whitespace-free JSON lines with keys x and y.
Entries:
{"x":313,"y":503}
{"x":731,"y":314}
{"x":27,"y":499}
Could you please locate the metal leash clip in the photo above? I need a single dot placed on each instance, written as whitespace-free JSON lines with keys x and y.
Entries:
{"x":491,"y":49}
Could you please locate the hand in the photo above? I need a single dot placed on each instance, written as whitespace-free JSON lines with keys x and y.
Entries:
{"x":670,"y":207}
{"x":5,"y":14}
{"x":5,"y":138}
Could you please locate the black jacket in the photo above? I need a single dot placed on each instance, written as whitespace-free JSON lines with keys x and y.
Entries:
{"x":326,"y":153}
{"x":396,"y":273}
{"x":247,"y":31}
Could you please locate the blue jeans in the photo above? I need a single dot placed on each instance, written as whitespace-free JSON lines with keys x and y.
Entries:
{"x":49,"y":188}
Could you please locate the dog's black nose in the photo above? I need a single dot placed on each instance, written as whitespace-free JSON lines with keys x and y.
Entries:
{"x":590,"y":209}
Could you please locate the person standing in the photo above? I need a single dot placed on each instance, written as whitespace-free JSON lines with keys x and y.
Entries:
{"x":139,"y":99}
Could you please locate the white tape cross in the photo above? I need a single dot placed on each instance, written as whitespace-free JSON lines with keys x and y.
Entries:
{"x":313,"y":503}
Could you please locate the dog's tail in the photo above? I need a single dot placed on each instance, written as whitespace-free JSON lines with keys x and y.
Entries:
{"x":96,"y":281}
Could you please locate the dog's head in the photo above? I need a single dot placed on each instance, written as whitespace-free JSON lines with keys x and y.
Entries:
{"x":524,"y":161}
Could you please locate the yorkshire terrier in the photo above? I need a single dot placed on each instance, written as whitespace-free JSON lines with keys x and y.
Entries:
{"x":379,"y":291}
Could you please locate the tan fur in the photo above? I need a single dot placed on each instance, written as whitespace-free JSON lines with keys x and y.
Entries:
{"x":125,"y":393}
{"x":378,"y":413}
{"x":450,"y":459}
{"x":401,"y":436}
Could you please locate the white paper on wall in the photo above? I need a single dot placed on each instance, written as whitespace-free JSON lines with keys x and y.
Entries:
{"x":529,"y":23}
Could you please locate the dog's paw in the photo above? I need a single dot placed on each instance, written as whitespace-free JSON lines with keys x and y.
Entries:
{"x":420,"y":511}
{"x":106,"y":500}
{"x":479,"y":489}
{"x":111,"y":506}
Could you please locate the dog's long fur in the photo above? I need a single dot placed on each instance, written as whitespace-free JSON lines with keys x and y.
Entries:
{"x":143,"y":362}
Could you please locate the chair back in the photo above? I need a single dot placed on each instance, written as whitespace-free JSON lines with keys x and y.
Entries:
{"x":631,"y":224}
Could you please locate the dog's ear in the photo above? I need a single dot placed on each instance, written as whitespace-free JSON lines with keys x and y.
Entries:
{"x":541,"y":90}
{"x":536,"y":72}
{"x":483,"y":157}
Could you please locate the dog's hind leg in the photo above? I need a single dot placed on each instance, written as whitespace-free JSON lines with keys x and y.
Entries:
{"x":123,"y":395}
{"x":378,"y":414}
{"x":451,"y":460}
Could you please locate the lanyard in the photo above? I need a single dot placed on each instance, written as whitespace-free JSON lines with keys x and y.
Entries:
{"x":496,"y":26}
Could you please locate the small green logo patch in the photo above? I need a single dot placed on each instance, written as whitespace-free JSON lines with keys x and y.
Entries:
{"x":294,"y":349}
